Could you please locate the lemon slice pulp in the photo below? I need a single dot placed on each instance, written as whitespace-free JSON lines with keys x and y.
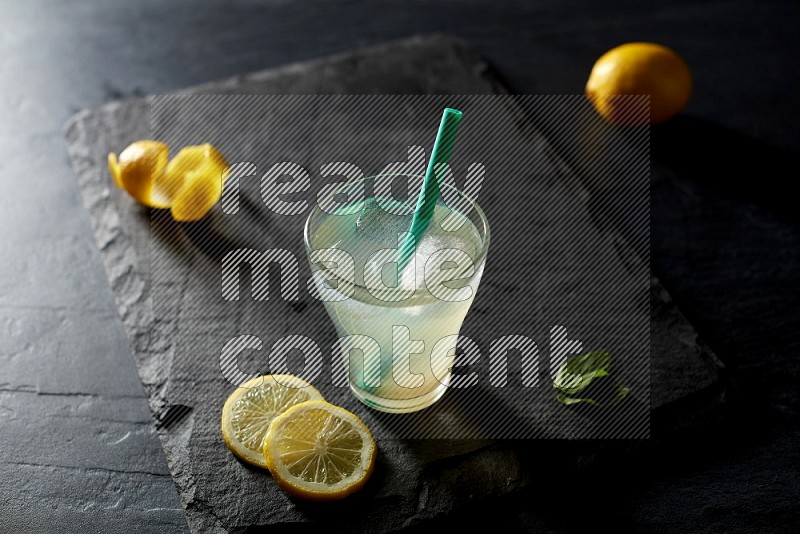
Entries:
{"x":250,"y":409}
{"x":319,"y":451}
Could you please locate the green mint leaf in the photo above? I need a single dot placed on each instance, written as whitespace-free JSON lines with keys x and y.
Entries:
{"x":577,"y":372}
{"x":566,"y":400}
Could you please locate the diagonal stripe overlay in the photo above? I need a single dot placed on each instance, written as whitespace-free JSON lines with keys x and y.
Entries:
{"x":230,"y":293}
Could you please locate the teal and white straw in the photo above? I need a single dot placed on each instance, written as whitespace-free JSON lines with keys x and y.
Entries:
{"x":442,"y":148}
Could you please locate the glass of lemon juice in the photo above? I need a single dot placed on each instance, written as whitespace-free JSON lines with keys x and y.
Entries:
{"x":397,"y":318}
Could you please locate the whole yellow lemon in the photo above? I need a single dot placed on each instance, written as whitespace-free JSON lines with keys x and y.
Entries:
{"x":639,"y":69}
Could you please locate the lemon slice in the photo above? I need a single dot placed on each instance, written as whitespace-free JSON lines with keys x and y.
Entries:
{"x":319,"y":451}
{"x":250,"y":409}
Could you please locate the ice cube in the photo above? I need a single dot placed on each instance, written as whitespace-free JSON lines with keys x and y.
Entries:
{"x":380,"y":226}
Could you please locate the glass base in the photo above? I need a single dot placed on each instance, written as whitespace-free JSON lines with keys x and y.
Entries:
{"x":383,"y":404}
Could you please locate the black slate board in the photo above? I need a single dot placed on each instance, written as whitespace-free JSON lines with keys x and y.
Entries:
{"x":415,"y":481}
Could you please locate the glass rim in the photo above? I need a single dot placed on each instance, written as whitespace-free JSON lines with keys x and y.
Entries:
{"x":485,"y":237}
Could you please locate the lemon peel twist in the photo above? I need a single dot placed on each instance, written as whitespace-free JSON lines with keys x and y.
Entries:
{"x":189,"y":185}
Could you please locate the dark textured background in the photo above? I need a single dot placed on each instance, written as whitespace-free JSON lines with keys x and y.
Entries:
{"x":724,"y":239}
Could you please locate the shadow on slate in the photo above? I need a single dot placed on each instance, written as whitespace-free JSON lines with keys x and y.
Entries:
{"x":415,"y":480}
